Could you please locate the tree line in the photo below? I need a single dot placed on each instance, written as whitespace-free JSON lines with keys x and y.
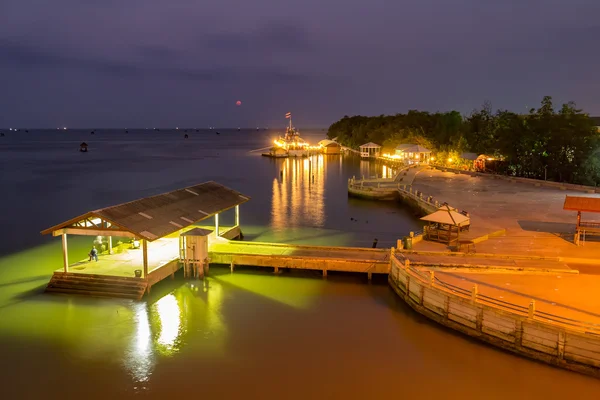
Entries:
{"x":561,"y":145}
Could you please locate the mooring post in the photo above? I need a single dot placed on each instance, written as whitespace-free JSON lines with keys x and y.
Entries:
{"x":369,"y":275}
{"x":231,"y":267}
{"x":276,"y":270}
{"x":474,"y":293}
{"x":532,"y":309}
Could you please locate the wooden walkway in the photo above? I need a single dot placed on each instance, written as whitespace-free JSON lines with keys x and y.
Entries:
{"x":321,"y":258}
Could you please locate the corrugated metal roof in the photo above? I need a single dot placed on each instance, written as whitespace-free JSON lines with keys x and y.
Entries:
{"x":578,"y":203}
{"x":158,"y":216}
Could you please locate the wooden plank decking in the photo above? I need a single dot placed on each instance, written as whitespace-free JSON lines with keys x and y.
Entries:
{"x":322,"y":258}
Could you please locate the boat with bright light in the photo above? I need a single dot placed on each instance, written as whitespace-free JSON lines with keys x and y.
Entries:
{"x":290,"y":145}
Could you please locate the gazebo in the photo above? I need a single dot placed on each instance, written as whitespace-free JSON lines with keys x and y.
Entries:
{"x":370,"y":150}
{"x":444,"y":225}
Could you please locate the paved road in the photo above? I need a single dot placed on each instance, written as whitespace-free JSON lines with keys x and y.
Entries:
{"x":485,"y":261}
{"x":567,"y":295}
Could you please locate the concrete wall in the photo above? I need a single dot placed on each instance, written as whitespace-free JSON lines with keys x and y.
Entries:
{"x":373,"y":192}
{"x":557,"y":344}
{"x":418,"y":203}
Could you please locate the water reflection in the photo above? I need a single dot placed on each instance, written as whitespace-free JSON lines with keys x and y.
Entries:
{"x":169,"y":316}
{"x":161,"y":328}
{"x":371,"y":169}
{"x":299,"y":193}
{"x":141,"y":359}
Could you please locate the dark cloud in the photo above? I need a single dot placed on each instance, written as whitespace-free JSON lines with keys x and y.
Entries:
{"x":25,"y":56}
{"x":320,"y":59}
{"x":273,"y":36}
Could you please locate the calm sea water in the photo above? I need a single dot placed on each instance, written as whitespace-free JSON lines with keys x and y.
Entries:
{"x":250,"y":334}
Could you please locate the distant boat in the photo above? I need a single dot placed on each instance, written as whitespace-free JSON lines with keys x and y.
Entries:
{"x":185,"y":136}
{"x":218,"y":133}
{"x":83,"y":147}
{"x":2,"y":134}
{"x":238,"y":128}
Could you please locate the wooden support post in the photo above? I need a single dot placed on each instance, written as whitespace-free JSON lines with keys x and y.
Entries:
{"x":474,"y":293}
{"x":561,"y":345}
{"x":110,"y":249}
{"x":217,"y":225}
{"x":65,"y":253}
{"x":369,"y":275}
{"x":532,"y":309}
{"x":145,"y":259}
{"x":237,"y":215}
{"x":276,"y":270}
{"x":181,"y":255}
{"x":231,"y":267}
{"x":324,"y":273}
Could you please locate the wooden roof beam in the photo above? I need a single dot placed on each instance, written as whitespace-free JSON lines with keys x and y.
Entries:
{"x":93,"y":232}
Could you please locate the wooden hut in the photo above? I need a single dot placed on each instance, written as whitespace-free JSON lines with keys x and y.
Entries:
{"x":330,"y":147}
{"x":413,"y":153}
{"x":370,"y":150}
{"x":445,"y":225}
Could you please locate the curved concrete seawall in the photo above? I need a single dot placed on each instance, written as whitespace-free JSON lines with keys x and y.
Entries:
{"x":558,"y":341}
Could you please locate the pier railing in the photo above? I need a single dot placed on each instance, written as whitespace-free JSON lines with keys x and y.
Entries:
{"x":433,"y":280}
{"x":567,"y":342}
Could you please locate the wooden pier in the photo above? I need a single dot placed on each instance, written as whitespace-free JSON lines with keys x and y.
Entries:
{"x":151,"y":229}
{"x":320,"y":258}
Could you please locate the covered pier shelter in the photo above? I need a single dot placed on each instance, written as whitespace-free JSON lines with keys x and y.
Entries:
{"x":583,"y":204}
{"x":149,"y":233}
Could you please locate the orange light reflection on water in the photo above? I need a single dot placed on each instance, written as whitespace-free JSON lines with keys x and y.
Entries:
{"x":299,"y":193}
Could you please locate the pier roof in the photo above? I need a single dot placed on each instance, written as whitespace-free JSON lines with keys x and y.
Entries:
{"x":370,"y":145}
{"x":445,"y":215}
{"x":327,"y":142}
{"x":156,"y":216}
{"x":579,"y":203}
{"x":412,"y":148}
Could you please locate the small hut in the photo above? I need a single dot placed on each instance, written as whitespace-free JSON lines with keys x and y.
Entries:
{"x":445,"y":224}
{"x":83,"y":147}
{"x":329,"y":147}
{"x":413,"y":153}
{"x":370,"y":150}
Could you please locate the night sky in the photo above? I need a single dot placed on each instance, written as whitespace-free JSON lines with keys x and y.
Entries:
{"x":166,"y":63}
